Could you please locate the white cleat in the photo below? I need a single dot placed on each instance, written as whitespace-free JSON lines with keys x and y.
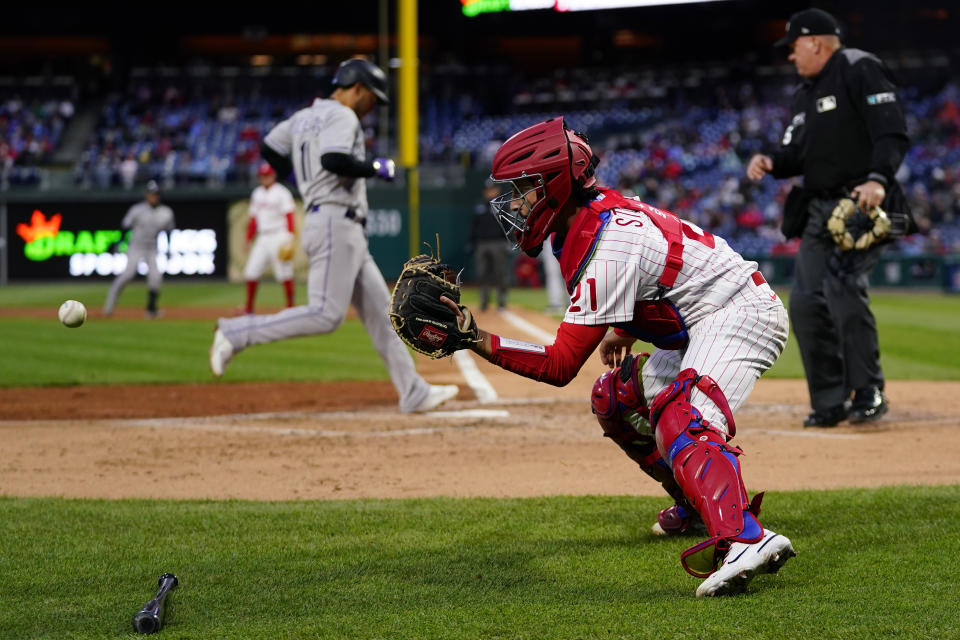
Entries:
{"x":746,"y":561}
{"x":437,"y":395}
{"x":220,"y":353}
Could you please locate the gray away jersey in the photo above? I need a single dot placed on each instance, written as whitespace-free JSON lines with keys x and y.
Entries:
{"x":147,"y":222}
{"x":323,"y":127}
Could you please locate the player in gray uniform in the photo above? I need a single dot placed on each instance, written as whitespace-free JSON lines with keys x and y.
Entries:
{"x":146,"y":219}
{"x":324,"y":145}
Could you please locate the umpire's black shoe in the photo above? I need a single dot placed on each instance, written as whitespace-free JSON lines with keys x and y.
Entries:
{"x":826,"y":417}
{"x":869,"y":404}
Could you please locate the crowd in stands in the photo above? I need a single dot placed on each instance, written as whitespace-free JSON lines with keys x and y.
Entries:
{"x":678,"y":138}
{"x":30,"y":131}
{"x":176,"y":139}
{"x":195,"y":126}
{"x":683,"y":146}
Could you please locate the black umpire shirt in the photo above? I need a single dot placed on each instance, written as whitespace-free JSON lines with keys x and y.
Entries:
{"x":847,"y":126}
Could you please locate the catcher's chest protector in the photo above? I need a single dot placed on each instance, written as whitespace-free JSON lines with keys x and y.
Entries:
{"x":655,"y":321}
{"x":707,"y":470}
{"x":668,"y":223}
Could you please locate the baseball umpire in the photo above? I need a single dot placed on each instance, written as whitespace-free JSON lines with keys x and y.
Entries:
{"x":847,"y":137}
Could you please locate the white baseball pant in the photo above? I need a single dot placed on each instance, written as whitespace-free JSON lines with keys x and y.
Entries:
{"x":341,"y":272}
{"x":134,"y":256}
{"x":734,"y":346}
{"x":263,"y":252}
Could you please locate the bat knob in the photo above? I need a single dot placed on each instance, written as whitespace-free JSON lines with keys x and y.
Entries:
{"x":168,"y":576}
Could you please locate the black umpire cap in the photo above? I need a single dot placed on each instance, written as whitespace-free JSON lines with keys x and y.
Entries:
{"x":366,"y":73}
{"x":809,"y":22}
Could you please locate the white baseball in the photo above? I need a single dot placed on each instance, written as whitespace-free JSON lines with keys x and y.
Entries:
{"x":72,"y":313}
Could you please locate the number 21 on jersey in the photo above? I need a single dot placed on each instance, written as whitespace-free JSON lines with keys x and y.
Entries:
{"x":588,"y":294}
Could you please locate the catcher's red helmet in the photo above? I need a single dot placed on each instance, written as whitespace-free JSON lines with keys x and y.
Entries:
{"x":557,"y":161}
{"x":265,"y":169}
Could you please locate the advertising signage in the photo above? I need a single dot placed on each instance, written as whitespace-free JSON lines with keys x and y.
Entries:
{"x":82,"y":240}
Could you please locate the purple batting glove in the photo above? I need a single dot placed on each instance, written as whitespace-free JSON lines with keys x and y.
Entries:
{"x":385,"y":169}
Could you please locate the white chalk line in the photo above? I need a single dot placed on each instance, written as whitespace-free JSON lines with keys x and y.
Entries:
{"x":215,"y":424}
{"x":543,"y":337}
{"x":470,"y":414}
{"x":807,"y":434}
{"x":475,"y":379}
{"x":313,"y":433}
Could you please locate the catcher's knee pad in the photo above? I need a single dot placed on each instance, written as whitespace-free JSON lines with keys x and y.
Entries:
{"x":620,"y":406}
{"x":706,"y":469}
{"x":618,"y":401}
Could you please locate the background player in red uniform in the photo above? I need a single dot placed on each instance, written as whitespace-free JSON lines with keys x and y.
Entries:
{"x":272,"y":223}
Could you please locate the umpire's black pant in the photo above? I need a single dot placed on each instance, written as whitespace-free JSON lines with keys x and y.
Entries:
{"x":830,"y":314}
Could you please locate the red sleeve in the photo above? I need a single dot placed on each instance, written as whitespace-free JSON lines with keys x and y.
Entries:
{"x":252,"y":228}
{"x":290,"y":226}
{"x":555,"y":364}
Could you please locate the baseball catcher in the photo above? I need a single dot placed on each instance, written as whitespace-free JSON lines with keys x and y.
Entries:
{"x":636,"y":272}
{"x":421,"y":319}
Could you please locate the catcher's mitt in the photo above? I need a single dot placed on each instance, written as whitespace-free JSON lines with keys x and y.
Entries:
{"x":851,"y":228}
{"x":421,"y":319}
{"x":286,"y":251}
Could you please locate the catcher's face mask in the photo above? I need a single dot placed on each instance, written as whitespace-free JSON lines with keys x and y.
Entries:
{"x":521,"y":209}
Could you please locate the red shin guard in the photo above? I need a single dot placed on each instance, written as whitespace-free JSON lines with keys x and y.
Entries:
{"x":706,"y":468}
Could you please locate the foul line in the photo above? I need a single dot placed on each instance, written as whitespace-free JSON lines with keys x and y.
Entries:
{"x":539,"y":334}
{"x":482,"y":388}
{"x":475,"y":379}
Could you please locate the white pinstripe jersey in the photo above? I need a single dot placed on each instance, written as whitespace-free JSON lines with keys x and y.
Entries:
{"x":630,"y":257}
{"x":270,"y":207}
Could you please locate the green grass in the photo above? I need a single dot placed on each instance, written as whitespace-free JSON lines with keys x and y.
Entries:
{"x":43,"y":352}
{"x":918,"y":339}
{"x":871,"y":564}
{"x":191,"y":294}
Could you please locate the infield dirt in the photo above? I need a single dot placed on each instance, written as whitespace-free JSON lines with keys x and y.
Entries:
{"x":285,"y":441}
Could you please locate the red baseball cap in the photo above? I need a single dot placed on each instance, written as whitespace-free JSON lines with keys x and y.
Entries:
{"x":265,"y":170}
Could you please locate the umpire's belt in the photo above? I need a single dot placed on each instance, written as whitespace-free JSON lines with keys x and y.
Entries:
{"x":351,"y":214}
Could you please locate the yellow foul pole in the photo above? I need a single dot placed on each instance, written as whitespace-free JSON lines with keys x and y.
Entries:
{"x":408,"y":109}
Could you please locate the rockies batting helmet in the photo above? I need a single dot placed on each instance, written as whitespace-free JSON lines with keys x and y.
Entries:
{"x":366,"y":73}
